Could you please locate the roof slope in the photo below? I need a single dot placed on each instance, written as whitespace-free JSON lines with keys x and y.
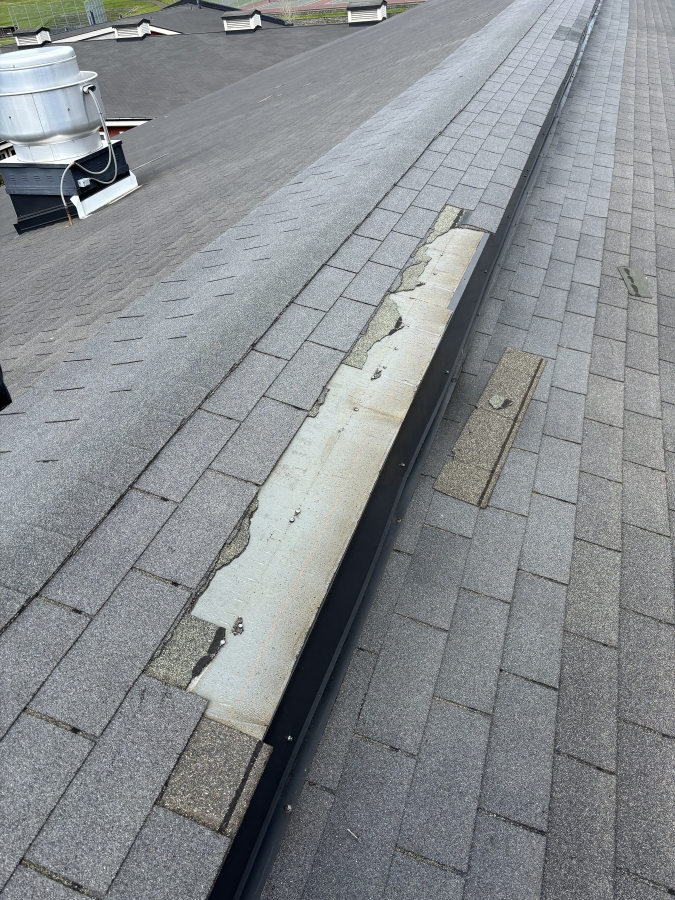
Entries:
{"x":202,"y":168}
{"x":154,"y":76}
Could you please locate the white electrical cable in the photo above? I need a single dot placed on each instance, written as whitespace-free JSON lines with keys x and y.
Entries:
{"x":89,"y":89}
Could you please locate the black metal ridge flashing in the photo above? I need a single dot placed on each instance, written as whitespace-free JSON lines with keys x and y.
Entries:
{"x":322,"y":662}
{"x":30,"y":31}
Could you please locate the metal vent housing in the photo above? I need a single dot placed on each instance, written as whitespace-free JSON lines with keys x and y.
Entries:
{"x":43,"y":111}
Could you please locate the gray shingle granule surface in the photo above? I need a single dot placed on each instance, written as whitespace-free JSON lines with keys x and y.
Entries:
{"x":94,"y":424}
{"x":565,"y":797}
{"x":450,"y":767}
{"x":315,"y":99}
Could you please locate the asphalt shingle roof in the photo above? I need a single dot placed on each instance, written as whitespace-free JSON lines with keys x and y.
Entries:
{"x":202,"y":171}
{"x":506,"y":726}
{"x":49,"y":510}
{"x":537,"y":743}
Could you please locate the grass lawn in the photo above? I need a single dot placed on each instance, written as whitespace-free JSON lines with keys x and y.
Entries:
{"x":139,"y":8}
{"x":334,"y":13}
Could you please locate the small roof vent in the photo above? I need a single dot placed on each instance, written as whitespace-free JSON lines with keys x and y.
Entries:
{"x":32,"y":37}
{"x":366,"y":12}
{"x":132,"y":30}
{"x":51,"y":112}
{"x":43,"y":110}
{"x":246,"y":20}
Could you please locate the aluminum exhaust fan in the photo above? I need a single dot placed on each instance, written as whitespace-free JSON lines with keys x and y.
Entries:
{"x":52,"y":113}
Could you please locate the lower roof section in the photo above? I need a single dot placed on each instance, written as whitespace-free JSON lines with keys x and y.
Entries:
{"x":162,"y":355}
{"x":207,"y":164}
{"x":156,"y":76}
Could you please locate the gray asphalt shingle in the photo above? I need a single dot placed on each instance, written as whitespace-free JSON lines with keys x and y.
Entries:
{"x":521,"y":552}
{"x":91,"y":681}
{"x":468,"y":674}
{"x":447,"y":776}
{"x":90,"y":576}
{"x":92,"y":828}
{"x":587,"y":712}
{"x":506,"y":862}
{"x":31,"y":648}
{"x":403,"y":680}
{"x":517,"y":778}
{"x":37,"y":762}
{"x":433,"y":579}
{"x":369,"y":804}
{"x":190,"y":541}
{"x":172,"y":856}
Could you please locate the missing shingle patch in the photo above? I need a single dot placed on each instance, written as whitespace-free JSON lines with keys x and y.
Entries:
{"x":192,"y":645}
{"x":239,"y":541}
{"x":481,"y":449}
{"x":321,"y":399}
{"x":446,"y":220}
{"x":411,"y":275}
{"x":386,"y":321}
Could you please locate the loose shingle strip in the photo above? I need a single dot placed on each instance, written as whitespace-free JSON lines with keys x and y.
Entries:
{"x":482,"y":447}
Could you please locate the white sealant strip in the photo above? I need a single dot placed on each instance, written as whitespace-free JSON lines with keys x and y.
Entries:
{"x":106,"y":196}
{"x":327,"y":472}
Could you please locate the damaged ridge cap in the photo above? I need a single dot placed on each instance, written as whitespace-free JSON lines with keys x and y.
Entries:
{"x":263,"y":583}
{"x":233,"y":547}
{"x":387,"y":319}
{"x":263,"y":826}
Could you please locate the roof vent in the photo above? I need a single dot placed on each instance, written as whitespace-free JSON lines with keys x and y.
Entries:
{"x":246,"y":20}
{"x":364,"y":12}
{"x":43,"y":110}
{"x":32,"y":37}
{"x":51,"y":113}
{"x":132,"y":30}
